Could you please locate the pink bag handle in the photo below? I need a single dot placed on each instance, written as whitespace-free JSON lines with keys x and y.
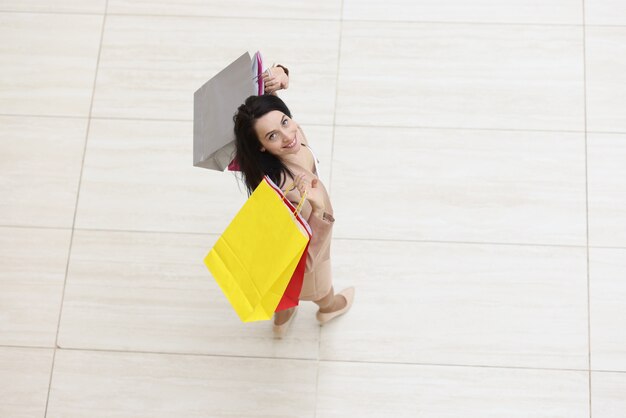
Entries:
{"x":259,"y":72}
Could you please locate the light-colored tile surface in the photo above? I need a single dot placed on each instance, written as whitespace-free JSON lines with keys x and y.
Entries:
{"x":270,"y":10}
{"x":490,"y":11}
{"x":518,"y":306}
{"x":605,"y":51}
{"x":48,"y":63}
{"x":32,"y":271}
{"x":512,"y":72}
{"x":152,"y":292}
{"x":320,"y":139}
{"x":385,"y":390}
{"x":608,"y":310}
{"x":452,"y":185}
{"x":605,"y":12}
{"x":151,"y":66}
{"x":138,"y":175}
{"x":65,"y":6}
{"x":607,"y":395}
{"x":455,"y":75}
{"x":24,"y":385}
{"x":41,"y":160}
{"x":146,"y":385}
{"x":606,"y":156}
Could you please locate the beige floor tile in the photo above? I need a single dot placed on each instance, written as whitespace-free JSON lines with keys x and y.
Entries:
{"x":607,"y":295}
{"x":325,"y":9}
{"x":65,"y":6}
{"x":48,"y":63}
{"x":607,"y":189}
{"x":511,"y":11}
{"x":320,"y":139}
{"x":32,"y":271}
{"x":151,"y":66}
{"x":607,"y":395}
{"x":138,"y":175}
{"x":605,"y":12}
{"x":145,"y":385}
{"x":455,"y":75}
{"x":385,"y":390}
{"x":152,"y":292}
{"x":41,"y":161}
{"x":517,"y":306}
{"x":24,"y":385}
{"x":605,"y":51}
{"x":452,"y":185}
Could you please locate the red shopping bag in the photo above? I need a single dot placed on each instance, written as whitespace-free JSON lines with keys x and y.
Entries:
{"x":291,"y":297}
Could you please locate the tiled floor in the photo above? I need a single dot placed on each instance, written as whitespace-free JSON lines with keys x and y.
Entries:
{"x":476,"y":157}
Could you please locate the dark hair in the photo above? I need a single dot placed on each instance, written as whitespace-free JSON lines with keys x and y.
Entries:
{"x":253,"y":163}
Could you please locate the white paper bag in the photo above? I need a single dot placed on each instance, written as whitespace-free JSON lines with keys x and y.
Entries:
{"x":215,"y":104}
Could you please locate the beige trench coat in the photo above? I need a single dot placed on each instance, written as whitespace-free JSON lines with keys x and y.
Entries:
{"x":317,"y":275}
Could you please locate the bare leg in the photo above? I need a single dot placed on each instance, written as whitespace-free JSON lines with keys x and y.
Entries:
{"x":283,"y":316}
{"x":331,"y":302}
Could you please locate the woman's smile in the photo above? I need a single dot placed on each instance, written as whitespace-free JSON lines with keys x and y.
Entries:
{"x":292,"y":143}
{"x":277,"y":133}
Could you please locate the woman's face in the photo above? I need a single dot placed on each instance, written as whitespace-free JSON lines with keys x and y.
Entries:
{"x":278,"y":134}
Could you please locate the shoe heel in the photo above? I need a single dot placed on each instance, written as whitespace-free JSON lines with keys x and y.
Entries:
{"x":279,"y":331}
{"x":324,"y":317}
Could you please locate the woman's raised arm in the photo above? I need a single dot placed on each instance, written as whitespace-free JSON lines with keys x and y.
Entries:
{"x":276,"y":78}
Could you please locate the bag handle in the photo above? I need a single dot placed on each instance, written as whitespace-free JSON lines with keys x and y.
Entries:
{"x":299,"y":207}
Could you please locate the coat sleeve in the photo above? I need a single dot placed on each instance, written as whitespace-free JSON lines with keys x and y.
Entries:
{"x":321,"y":232}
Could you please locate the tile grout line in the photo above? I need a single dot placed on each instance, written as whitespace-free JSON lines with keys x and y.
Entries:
{"x":334,"y":126}
{"x":355,"y":361}
{"x":422,"y":127}
{"x":431,"y":128}
{"x":357,"y":239}
{"x":330,"y":181}
{"x":584,"y":51}
{"x":454,"y":242}
{"x":309,"y":19}
{"x":372,"y":239}
{"x":80,"y":177}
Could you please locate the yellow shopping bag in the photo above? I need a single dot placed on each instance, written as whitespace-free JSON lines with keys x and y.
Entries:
{"x":258,"y":252}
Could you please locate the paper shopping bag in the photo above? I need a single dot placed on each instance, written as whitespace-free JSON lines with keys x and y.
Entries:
{"x":214,"y":105}
{"x":291,"y":297}
{"x":256,"y":256}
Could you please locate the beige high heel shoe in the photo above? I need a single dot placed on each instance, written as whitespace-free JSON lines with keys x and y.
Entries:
{"x":280,"y":330}
{"x":347,"y":293}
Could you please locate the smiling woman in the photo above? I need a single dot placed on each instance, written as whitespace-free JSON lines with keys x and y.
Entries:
{"x":270,"y":142}
{"x":277,"y":133}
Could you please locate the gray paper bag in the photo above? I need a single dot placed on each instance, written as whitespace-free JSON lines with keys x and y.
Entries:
{"x":214,"y":105}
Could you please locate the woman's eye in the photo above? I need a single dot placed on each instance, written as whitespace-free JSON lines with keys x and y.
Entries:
{"x":285,"y":121}
{"x":272,"y":137}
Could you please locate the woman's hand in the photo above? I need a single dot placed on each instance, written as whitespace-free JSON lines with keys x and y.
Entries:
{"x":278,"y":80}
{"x":314,"y":193}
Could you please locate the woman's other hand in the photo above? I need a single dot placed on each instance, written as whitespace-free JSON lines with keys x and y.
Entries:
{"x":313,"y":192}
{"x":278,"y":80}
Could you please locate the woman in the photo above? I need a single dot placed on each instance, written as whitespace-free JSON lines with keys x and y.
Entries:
{"x":269,"y":142}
